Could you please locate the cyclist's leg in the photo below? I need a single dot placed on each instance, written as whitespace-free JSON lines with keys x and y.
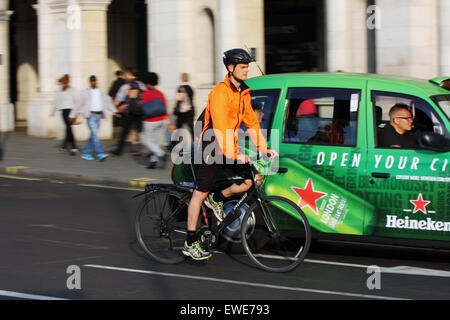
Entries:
{"x":194,"y":209}
{"x":235,"y":188}
{"x":243,"y":170}
{"x":206,"y":178}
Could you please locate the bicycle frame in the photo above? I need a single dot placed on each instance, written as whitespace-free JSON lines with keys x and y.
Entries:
{"x":236,"y":212}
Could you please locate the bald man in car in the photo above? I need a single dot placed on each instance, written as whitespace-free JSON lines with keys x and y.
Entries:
{"x":397,"y":134}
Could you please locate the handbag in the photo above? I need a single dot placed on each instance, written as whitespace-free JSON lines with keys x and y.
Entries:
{"x":78,"y":119}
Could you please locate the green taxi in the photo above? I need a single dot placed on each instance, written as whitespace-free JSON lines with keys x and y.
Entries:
{"x":326,"y":128}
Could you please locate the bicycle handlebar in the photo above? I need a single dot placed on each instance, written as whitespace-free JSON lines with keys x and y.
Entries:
{"x":270,"y":158}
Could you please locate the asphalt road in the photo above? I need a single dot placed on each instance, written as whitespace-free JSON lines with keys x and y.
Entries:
{"x":69,"y":241}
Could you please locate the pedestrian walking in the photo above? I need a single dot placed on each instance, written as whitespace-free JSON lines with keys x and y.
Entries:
{"x":93,"y":103}
{"x":65,"y":101}
{"x":117,"y":84}
{"x":130,"y":122}
{"x":154,"y":125}
{"x":184,"y":109}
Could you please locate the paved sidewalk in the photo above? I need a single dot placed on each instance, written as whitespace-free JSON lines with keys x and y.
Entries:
{"x":28,"y":156}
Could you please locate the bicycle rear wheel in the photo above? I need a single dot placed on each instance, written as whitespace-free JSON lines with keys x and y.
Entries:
{"x":161,"y":225}
{"x":288,"y":234}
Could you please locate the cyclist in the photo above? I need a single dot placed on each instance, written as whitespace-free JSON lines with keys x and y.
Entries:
{"x":229,"y":105}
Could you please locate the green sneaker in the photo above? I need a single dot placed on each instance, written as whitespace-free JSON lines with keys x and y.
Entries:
{"x":195,"y":251}
{"x":216,"y":207}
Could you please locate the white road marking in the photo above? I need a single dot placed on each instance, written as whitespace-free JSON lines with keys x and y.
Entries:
{"x":406,"y":270}
{"x":109,"y":187}
{"x":242,"y":283}
{"x":27,"y":296}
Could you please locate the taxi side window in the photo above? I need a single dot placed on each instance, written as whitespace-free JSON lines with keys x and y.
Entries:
{"x":321,"y":116}
{"x":264,"y":102}
{"x":424,"y":117}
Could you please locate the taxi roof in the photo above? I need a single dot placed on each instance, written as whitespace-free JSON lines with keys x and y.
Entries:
{"x":398,"y":84}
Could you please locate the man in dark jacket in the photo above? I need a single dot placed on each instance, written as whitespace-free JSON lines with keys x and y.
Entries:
{"x":130,"y":120}
{"x":116,"y":85}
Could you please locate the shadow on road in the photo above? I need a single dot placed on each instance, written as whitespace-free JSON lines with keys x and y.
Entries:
{"x":363,"y":250}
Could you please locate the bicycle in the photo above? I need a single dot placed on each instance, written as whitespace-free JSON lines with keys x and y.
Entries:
{"x":274,"y":231}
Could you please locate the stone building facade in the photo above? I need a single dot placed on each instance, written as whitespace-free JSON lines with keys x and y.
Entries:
{"x":40,"y":40}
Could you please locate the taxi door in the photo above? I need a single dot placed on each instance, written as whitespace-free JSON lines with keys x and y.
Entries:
{"x":321,"y":144}
{"x":408,"y":187}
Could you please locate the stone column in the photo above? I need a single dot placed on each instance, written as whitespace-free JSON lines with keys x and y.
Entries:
{"x":346,"y":35}
{"x":167,"y":56}
{"x":40,"y":123}
{"x":89,"y":55}
{"x":72,"y":38}
{"x":444,"y":34}
{"x":338,"y":17}
{"x":240,"y":24}
{"x":424,"y":38}
{"x":6,"y":108}
{"x":407,"y":42}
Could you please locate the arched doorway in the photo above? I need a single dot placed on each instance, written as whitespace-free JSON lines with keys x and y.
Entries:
{"x":206,"y":65}
{"x":294,"y":35}
{"x":127,"y":35}
{"x":24,"y":81}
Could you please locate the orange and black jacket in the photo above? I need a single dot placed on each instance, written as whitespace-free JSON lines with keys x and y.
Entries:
{"x":227,"y":109}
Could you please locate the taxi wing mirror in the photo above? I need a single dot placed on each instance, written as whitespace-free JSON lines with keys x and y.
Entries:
{"x":434,"y":141}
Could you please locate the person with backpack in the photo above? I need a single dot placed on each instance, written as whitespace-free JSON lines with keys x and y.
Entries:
{"x":154,"y":118}
{"x":130,"y":121}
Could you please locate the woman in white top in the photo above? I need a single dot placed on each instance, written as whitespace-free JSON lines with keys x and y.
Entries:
{"x":65,"y":101}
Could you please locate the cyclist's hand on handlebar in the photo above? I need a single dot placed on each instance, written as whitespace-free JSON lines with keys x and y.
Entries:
{"x":272,"y":153}
{"x":243,"y":158}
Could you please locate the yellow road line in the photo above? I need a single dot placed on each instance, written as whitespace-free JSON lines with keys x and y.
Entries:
{"x":15,"y":170}
{"x":108,"y":187}
{"x":19,"y":178}
{"x":141,"y":182}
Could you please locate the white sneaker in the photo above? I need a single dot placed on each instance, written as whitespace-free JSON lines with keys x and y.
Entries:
{"x":216,"y":207}
{"x":195,"y":251}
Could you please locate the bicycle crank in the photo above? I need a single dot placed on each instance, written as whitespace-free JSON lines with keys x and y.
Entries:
{"x":207,"y":237}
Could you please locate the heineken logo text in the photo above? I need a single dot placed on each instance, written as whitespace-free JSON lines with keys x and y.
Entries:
{"x":407,"y":223}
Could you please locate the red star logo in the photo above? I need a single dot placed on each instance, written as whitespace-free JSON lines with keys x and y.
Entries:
{"x":420,"y":204}
{"x":309,"y":196}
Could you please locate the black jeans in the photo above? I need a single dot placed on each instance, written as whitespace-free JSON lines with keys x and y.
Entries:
{"x":69,"y":139}
{"x":188,"y":119}
{"x":129,"y":122}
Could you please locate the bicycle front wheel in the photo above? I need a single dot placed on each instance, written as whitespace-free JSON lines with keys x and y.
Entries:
{"x":288,"y":234}
{"x":161,"y":225}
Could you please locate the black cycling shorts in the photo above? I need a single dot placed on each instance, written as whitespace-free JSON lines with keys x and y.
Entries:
{"x":207,"y":173}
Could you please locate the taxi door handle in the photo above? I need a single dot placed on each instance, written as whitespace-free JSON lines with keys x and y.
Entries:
{"x":381,"y":175}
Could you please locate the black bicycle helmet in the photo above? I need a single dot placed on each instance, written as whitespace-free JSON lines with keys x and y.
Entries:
{"x":235,"y":56}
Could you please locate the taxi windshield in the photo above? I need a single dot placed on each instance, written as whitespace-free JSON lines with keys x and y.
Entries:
{"x":443,"y":101}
